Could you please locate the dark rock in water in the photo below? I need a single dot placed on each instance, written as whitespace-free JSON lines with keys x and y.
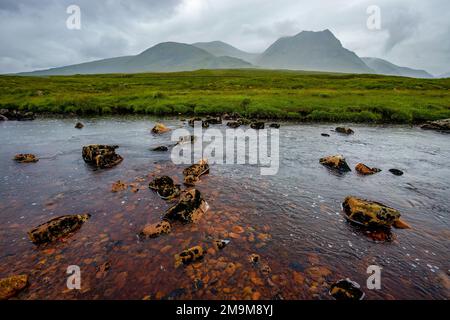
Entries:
{"x":165,"y":187}
{"x":275,"y":125}
{"x":16,"y":115}
{"x":25,"y":158}
{"x":193,"y":173}
{"x":257,"y":125}
{"x":325,"y":135}
{"x":197,"y":284}
{"x":336,"y":162}
{"x":79,"y":125}
{"x":189,"y":255}
{"x":220,"y":244}
{"x":101,"y":156}
{"x":11,"y":286}
{"x":346,"y":289}
{"x":233,"y":124}
{"x":244,"y":121}
{"x":396,"y":172}
{"x":190,"y":208}
{"x":214,"y":120}
{"x":57,"y":228}
{"x":439,"y":125}
{"x":155,"y":230}
{"x":160,"y":128}
{"x":344,"y":130}
{"x":161,"y":148}
{"x":365,"y":170}
{"x":175,"y":294}
{"x":232,"y":116}
{"x":187,"y":139}
{"x":205,"y":124}
{"x":372,"y":214}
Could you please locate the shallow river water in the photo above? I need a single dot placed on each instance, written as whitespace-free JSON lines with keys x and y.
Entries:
{"x":293,"y":219}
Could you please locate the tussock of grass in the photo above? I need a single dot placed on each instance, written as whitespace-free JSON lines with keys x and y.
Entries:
{"x":254,"y":93}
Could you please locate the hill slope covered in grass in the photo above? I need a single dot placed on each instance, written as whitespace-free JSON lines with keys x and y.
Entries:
{"x":256,"y":93}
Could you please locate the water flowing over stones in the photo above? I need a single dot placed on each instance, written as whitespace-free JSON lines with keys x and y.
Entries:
{"x":57,"y":228}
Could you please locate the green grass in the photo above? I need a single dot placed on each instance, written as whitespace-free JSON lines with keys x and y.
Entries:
{"x":253,"y":93}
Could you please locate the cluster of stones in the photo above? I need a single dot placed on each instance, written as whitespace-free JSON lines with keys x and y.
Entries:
{"x":16,"y":115}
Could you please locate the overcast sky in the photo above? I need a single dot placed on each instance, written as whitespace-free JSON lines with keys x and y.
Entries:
{"x":33,"y":34}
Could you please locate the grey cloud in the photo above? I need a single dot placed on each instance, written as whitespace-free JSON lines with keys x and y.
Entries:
{"x":33,"y":33}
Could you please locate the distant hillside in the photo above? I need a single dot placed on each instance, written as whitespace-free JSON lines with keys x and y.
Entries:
{"x":446,"y":75}
{"x":381,"y":66}
{"x":312,"y":51}
{"x":219,"y":48}
{"x":164,"y":57}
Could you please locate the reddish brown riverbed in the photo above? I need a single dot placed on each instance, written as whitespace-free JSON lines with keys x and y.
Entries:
{"x":293,"y":220}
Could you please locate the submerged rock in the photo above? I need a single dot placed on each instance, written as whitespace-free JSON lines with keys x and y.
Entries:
{"x":57,"y":228}
{"x":439,"y":125}
{"x":189,"y":209}
{"x":189,"y":255}
{"x":165,"y":187}
{"x":161,"y":149}
{"x":275,"y":125}
{"x":101,"y":156}
{"x":193,"y":173}
{"x":220,"y":243}
{"x":155,"y":230}
{"x":233,"y":124}
{"x":344,"y":130}
{"x":336,"y":162}
{"x":372,"y":214}
{"x":118,"y":186}
{"x":160,"y":128}
{"x":396,"y":172}
{"x":257,"y":125}
{"x":79,"y":125}
{"x":187,"y":139}
{"x":26,"y":158}
{"x":192,"y":121}
{"x":11,"y":286}
{"x":346,"y":289}
{"x":365,"y":170}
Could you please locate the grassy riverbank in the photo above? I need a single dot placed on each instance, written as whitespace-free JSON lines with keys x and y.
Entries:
{"x":255,"y":93}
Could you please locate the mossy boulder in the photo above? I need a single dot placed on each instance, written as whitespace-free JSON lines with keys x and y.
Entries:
{"x":101,"y":156}
{"x":365,"y":170}
{"x":188,"y":256}
{"x":372,"y":214}
{"x":11,"y":286}
{"x":165,"y":187}
{"x":190,"y":208}
{"x":155,"y":230}
{"x":345,"y":130}
{"x":336,"y":162}
{"x":25,"y":158}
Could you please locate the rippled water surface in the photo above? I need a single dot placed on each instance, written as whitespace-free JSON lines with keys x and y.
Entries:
{"x":293,"y":220}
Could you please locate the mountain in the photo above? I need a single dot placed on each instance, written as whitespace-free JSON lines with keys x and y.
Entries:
{"x":446,"y":75}
{"x":312,"y":51}
{"x":381,"y":66}
{"x":163,"y":57}
{"x":219,"y":48}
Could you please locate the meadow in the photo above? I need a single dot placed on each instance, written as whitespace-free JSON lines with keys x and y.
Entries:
{"x":293,"y":95}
